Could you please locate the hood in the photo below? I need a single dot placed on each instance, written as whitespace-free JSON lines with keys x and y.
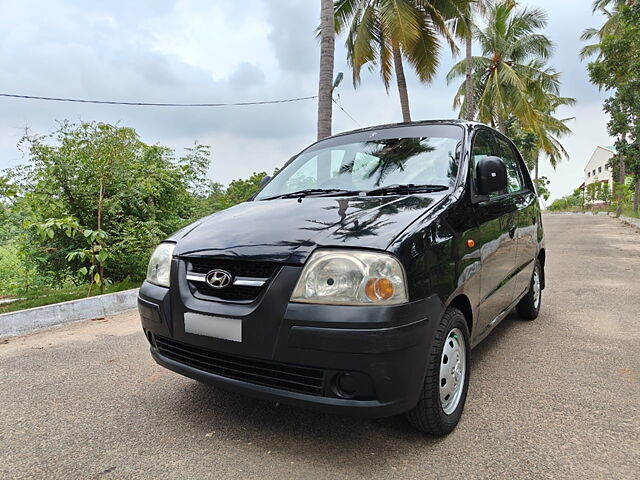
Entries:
{"x":288,"y":230}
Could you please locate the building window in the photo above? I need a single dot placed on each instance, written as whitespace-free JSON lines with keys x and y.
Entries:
{"x":588,"y":174}
{"x":599,"y":169}
{"x":594,"y":172}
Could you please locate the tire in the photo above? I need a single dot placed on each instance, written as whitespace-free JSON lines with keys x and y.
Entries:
{"x":433,"y":414}
{"x":529,"y":307}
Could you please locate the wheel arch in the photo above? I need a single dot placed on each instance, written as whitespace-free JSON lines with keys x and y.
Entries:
{"x":462,"y":303}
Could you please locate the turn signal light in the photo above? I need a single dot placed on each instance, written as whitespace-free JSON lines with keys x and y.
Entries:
{"x":379,"y":289}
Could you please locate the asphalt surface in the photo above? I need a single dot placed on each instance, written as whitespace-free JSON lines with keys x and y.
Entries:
{"x":555,"y":398}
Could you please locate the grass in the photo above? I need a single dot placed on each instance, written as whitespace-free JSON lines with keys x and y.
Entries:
{"x":56,"y":295}
{"x":628,"y":212}
{"x":11,"y":270}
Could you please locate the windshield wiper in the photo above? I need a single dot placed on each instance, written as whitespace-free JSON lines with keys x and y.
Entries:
{"x":314,"y":191}
{"x":406,"y":189}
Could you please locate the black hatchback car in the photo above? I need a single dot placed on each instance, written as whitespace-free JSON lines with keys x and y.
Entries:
{"x":359,"y":277}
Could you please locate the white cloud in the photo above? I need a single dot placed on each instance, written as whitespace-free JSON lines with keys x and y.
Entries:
{"x":213,"y":36}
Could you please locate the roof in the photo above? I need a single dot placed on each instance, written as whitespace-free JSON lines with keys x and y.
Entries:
{"x":454,"y":121}
{"x":600,"y":157}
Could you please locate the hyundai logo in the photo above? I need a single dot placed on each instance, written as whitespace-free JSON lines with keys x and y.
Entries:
{"x":218,"y":278}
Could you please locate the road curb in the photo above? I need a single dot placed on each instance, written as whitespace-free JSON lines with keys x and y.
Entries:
{"x":29,"y":320}
{"x":634,"y":222}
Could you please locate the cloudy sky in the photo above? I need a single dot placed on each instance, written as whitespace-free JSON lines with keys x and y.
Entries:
{"x":229,"y":51}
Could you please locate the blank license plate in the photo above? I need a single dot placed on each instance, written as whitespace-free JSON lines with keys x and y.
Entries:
{"x":210,"y":326}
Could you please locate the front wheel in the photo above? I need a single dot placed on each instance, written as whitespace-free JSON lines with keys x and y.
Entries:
{"x":445,"y":385}
{"x":529,"y":307}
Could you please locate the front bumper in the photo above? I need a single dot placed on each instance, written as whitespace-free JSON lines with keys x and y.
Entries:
{"x":299,"y":354}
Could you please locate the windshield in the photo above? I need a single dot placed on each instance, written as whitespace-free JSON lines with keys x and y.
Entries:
{"x":429,"y":159}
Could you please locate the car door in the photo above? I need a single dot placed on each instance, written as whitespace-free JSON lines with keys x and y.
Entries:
{"x":525,"y":199}
{"x":497,"y":218}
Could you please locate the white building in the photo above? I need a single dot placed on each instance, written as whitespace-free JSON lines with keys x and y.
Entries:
{"x":598,"y":169}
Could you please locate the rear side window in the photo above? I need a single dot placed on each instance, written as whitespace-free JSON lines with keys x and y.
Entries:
{"x":514,"y":176}
{"x":484,"y":145}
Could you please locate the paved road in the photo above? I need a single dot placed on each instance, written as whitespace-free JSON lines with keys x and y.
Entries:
{"x":554,"y":398}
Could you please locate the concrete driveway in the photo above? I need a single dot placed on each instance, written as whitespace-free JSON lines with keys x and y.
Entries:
{"x":554,"y":398}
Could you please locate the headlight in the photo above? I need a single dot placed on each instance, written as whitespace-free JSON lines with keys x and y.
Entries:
{"x":343,"y":277}
{"x":159,"y":269}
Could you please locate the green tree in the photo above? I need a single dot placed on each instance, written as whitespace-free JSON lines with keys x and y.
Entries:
{"x":617,"y":69}
{"x":510,"y":72}
{"x":238,"y":191}
{"x":610,"y":9}
{"x":573,"y":202}
{"x":514,"y":89}
{"x":542,"y":187}
{"x":549,"y":130}
{"x":384,"y":33}
{"x":591,"y":193}
{"x":123,"y":195}
{"x":546,"y":142}
{"x":465,"y":28}
{"x":525,"y":140}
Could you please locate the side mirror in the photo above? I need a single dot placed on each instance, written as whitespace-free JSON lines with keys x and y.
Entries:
{"x":264,"y":180}
{"x":491,"y":174}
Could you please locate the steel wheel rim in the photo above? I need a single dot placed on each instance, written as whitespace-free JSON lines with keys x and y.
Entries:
{"x":453,"y":371}
{"x":536,"y":288}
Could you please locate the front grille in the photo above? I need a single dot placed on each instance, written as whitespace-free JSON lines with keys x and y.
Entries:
{"x":283,"y":376}
{"x":233,"y":293}
{"x":237,"y":268}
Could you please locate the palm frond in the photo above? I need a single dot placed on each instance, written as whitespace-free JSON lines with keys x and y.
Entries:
{"x":385,"y":54}
{"x":434,"y":14}
{"x":344,"y":12}
{"x":423,"y":54}
{"x":400,"y":19}
{"x":360,"y":42}
{"x":459,"y":70}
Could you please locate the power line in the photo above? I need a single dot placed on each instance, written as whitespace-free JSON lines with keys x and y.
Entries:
{"x":346,"y":113}
{"x":149,"y":104}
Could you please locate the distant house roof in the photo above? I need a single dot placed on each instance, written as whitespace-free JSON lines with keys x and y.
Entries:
{"x":600,"y":158}
{"x":612,"y":148}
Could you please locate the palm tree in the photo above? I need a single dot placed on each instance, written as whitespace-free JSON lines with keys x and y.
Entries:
{"x":610,"y":9}
{"x":465,"y":27}
{"x":512,"y":82}
{"x":510,"y":72}
{"x":383,"y":33}
{"x":327,"y":51}
{"x":549,"y":130}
